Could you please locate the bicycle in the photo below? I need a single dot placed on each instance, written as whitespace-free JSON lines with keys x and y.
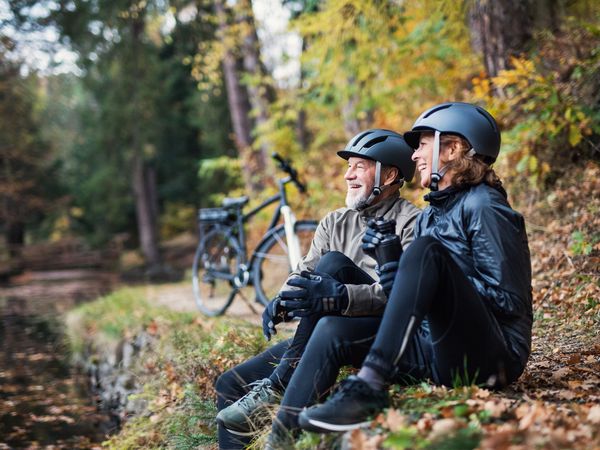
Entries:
{"x":221,"y":267}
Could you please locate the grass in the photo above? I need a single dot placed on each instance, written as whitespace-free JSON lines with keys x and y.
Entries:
{"x":176,"y":370}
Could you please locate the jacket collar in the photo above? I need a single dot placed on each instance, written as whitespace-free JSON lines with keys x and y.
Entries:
{"x":380,"y":208}
{"x":439,"y":197}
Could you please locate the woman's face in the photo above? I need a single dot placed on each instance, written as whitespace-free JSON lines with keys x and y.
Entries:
{"x":423,"y":157}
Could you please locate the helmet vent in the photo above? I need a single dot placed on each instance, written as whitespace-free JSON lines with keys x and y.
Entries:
{"x":487,"y":117}
{"x":377,"y":140}
{"x":434,"y":110}
{"x":360,"y":136}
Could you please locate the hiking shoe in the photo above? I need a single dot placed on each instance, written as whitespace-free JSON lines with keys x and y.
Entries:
{"x":250,"y":413}
{"x":350,"y":407}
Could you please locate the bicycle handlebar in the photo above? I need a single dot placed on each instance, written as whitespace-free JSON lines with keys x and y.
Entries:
{"x":287,"y":168}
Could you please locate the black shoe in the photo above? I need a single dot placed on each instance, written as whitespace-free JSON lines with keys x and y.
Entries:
{"x":350,"y":407}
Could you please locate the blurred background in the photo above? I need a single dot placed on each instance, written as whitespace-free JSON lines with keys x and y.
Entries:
{"x":120,"y":118}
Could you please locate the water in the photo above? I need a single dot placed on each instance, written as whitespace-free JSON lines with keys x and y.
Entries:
{"x":44,"y":402}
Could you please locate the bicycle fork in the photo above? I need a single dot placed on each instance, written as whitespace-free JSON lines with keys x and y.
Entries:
{"x":293,"y":243}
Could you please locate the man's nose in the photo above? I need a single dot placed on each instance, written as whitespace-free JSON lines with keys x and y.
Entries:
{"x":349,"y":174}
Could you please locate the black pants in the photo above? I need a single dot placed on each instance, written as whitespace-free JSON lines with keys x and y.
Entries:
{"x":279,"y":362}
{"x":467,"y":342}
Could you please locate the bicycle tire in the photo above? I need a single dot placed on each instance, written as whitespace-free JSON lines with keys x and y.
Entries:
{"x":215,"y":265}
{"x":271,"y":258}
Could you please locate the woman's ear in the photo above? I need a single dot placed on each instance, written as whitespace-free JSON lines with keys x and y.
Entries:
{"x":453,"y":150}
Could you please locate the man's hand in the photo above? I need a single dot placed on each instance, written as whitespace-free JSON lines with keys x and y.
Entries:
{"x":387,"y":275}
{"x":319,"y":293}
{"x":272,"y":315}
{"x":381,"y":242}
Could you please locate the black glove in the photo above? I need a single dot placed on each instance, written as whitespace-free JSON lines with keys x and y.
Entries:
{"x":387,"y":275}
{"x":271,"y":316}
{"x":381,"y":242}
{"x":319,"y":293}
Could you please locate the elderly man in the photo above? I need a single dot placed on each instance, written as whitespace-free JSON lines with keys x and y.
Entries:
{"x":335,"y":278}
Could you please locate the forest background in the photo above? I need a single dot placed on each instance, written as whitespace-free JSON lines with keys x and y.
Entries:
{"x":118,"y":119}
{"x":171,"y":105}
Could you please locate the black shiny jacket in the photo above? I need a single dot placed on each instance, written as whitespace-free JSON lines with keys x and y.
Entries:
{"x":487,"y":239}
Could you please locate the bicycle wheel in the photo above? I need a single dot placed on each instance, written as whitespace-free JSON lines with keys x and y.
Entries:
{"x":272,"y":265}
{"x":215,"y":267}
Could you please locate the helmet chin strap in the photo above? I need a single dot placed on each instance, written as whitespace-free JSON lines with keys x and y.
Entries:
{"x":376,"y":187}
{"x":436,"y":176}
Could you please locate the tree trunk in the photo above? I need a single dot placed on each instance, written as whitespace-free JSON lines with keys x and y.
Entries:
{"x":143,"y":177}
{"x":14,"y":238}
{"x":500,"y":29}
{"x":239,"y":105}
{"x":259,"y":92}
{"x":145,"y":211}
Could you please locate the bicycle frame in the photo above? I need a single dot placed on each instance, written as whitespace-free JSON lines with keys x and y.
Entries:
{"x":237,"y":229}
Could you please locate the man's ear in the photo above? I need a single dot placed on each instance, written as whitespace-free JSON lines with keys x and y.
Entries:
{"x":391,"y":174}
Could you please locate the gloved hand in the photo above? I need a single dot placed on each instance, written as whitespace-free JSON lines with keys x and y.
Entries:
{"x":319,"y":293}
{"x":387,"y":275}
{"x":381,"y":242}
{"x":271,"y":316}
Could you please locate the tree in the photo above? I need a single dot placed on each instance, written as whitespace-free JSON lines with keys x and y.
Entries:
{"x":248,"y":93}
{"x":501,"y":29}
{"x":140,"y":124}
{"x":25,"y":169}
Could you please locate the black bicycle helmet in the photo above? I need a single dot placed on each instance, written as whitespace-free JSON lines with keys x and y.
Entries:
{"x":469,"y":121}
{"x":385,"y":146}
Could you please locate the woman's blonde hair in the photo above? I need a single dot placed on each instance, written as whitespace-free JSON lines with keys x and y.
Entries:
{"x":469,"y":169}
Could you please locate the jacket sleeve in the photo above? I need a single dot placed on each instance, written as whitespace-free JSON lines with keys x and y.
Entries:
{"x":318,"y":247}
{"x":365,"y":299}
{"x":501,"y":258}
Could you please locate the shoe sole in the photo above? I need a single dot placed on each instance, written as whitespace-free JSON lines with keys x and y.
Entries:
{"x":250,"y":432}
{"x":242,"y":433}
{"x":324,"y":427}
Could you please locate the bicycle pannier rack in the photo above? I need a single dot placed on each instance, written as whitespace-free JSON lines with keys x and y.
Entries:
{"x":212,"y":216}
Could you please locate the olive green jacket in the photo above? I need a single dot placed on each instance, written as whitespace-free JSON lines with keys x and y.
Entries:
{"x":342,"y":230}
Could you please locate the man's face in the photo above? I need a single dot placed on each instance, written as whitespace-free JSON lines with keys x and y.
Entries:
{"x":360,"y":179}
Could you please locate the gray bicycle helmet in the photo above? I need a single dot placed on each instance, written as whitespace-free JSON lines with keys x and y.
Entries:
{"x":471,"y":122}
{"x":385,"y":146}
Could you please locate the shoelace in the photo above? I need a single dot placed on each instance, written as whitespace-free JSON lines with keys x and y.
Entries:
{"x":346,"y":387}
{"x":253,"y":395}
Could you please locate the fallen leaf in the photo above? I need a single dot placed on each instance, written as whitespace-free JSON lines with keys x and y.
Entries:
{"x":594,"y":414}
{"x":566,"y":394}
{"x":497,"y":407}
{"x":561,"y":373}
{"x":394,"y":420}
{"x":443,"y":427}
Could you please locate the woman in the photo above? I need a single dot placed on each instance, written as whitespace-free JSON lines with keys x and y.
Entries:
{"x":467,"y":274}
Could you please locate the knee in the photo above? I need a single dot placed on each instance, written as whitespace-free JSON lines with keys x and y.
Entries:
{"x":331,"y":262}
{"x":420,"y":246}
{"x":328,"y":329}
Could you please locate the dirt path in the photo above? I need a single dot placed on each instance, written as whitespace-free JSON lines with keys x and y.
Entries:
{"x":179,"y":297}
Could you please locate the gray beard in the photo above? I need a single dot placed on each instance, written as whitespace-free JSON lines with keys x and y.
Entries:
{"x":356,"y":202}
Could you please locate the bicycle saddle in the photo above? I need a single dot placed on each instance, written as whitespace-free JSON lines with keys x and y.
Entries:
{"x":235,"y":202}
